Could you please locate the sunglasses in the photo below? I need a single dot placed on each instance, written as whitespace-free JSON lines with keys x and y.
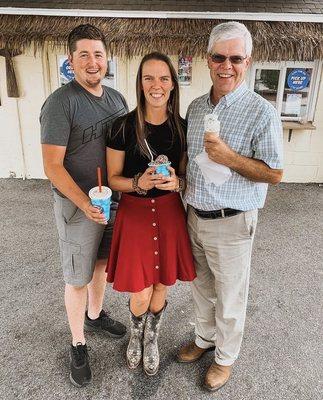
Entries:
{"x":220,"y":58}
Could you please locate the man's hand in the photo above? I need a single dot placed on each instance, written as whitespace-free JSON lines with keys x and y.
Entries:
{"x":93,"y":213}
{"x":217,"y":150}
{"x":250,"y":168}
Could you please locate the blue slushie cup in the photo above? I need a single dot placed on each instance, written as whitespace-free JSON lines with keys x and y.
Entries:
{"x":101,"y":200}
{"x":161,"y":168}
{"x":161,"y":164}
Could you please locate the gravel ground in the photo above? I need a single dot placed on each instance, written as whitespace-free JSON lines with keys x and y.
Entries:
{"x":279,"y":359}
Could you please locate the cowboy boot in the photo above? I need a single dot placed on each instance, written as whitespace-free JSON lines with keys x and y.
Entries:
{"x":151,"y":353}
{"x":134,"y":349}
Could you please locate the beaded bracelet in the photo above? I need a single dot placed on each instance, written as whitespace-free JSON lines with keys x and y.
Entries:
{"x":135,"y":185}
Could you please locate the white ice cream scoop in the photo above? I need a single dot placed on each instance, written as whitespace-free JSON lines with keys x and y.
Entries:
{"x":213,"y":173}
{"x":211,"y":123}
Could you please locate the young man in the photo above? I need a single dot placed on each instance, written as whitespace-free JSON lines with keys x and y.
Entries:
{"x":222,"y":219}
{"x":74,"y":123}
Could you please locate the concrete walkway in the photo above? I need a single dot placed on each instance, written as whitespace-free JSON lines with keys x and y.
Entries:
{"x":279,"y":358}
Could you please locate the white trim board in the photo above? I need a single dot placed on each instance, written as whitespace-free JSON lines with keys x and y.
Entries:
{"x":164,"y":14}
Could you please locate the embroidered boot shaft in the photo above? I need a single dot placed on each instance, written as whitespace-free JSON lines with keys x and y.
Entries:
{"x":134,"y":349}
{"x":151,"y":353}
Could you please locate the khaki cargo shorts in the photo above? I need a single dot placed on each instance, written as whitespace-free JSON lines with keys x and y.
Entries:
{"x":81,"y":241}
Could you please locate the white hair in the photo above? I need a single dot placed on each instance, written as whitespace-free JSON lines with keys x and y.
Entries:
{"x":230,"y":30}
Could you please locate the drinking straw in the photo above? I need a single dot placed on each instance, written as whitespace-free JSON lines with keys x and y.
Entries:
{"x":151,"y":154}
{"x":98,"y":172}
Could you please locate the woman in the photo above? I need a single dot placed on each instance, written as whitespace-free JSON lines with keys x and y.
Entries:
{"x":150,"y":247}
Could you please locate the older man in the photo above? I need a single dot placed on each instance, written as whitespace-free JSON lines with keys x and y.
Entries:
{"x":222,"y":219}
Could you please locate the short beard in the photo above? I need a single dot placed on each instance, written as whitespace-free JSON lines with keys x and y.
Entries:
{"x":93,"y":83}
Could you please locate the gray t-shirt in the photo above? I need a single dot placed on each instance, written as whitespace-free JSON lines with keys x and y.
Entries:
{"x":75,"y":118}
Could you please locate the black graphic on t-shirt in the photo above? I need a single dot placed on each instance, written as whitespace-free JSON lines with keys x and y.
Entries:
{"x":100,"y":128}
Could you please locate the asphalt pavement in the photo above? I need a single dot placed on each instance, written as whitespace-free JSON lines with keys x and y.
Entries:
{"x":280,"y":356}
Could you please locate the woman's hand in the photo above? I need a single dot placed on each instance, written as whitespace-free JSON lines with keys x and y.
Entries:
{"x":149,"y":179}
{"x":170,"y":182}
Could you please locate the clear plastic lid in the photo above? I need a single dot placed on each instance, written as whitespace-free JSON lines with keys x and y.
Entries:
{"x":94,"y":193}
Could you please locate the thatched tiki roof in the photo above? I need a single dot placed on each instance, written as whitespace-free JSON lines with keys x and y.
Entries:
{"x":131,"y":37}
{"x":12,"y":85}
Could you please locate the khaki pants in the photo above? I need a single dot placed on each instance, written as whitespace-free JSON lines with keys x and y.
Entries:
{"x":222,"y":253}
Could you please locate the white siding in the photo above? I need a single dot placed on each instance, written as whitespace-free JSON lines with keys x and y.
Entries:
{"x":37,"y":76}
{"x":11,"y":160}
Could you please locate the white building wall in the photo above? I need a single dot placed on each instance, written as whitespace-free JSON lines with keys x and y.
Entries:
{"x":20,"y":148}
{"x":31,"y":84}
{"x":304,"y":153}
{"x":11,"y":159}
{"x":38,"y":76}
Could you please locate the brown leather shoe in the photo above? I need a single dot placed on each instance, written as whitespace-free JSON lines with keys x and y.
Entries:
{"x":217,"y":376}
{"x":191,"y":352}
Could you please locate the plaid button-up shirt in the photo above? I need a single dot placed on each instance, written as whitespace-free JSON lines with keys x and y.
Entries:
{"x":251,"y":126}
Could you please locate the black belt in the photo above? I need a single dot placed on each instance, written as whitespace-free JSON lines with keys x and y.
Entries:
{"x":224,"y":212}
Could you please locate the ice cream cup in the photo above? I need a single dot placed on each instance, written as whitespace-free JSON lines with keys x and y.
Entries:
{"x":161,"y":168}
{"x":212,"y":124}
{"x":101,"y":200}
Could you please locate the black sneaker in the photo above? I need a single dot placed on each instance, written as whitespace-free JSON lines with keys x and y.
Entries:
{"x":106,"y":325}
{"x":80,"y":374}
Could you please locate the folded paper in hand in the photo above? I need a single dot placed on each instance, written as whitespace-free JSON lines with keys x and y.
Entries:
{"x":212,"y":172}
